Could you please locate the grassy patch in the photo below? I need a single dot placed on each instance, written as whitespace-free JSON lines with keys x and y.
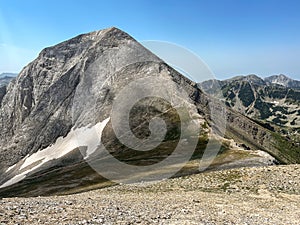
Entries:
{"x":287,"y":150}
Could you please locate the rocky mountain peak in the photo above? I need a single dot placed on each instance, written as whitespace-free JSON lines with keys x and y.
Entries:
{"x":70,"y":90}
{"x":283,"y":80}
{"x":251,"y":78}
{"x":36,"y":110}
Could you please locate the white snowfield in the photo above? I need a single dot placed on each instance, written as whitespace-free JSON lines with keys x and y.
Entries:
{"x":85,"y":136}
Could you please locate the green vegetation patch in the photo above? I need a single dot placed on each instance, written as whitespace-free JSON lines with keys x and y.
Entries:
{"x":288,"y":151}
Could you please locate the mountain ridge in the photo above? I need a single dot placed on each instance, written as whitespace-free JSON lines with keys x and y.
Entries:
{"x":37,"y":113}
{"x":261,"y":99}
{"x":8,"y":75}
{"x":283,"y":80}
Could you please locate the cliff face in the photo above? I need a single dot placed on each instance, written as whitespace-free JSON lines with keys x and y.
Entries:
{"x":49,"y":113}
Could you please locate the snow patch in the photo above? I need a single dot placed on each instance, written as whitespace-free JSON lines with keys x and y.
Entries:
{"x":13,"y":180}
{"x":85,"y":136}
{"x":10,"y":168}
{"x":263,"y":154}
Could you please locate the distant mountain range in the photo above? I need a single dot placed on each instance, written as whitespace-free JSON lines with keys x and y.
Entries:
{"x":5,"y":78}
{"x":283,"y":80}
{"x":8,"y":75}
{"x":273,"y":101}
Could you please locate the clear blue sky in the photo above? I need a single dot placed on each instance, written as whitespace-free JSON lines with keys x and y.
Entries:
{"x":232,"y":36}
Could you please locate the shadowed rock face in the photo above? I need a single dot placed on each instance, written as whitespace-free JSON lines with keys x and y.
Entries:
{"x":72,"y":85}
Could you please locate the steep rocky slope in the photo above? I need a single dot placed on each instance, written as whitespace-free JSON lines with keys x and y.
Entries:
{"x":55,"y":119}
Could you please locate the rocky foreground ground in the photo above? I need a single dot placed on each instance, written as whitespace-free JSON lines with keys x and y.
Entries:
{"x":261,"y":195}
